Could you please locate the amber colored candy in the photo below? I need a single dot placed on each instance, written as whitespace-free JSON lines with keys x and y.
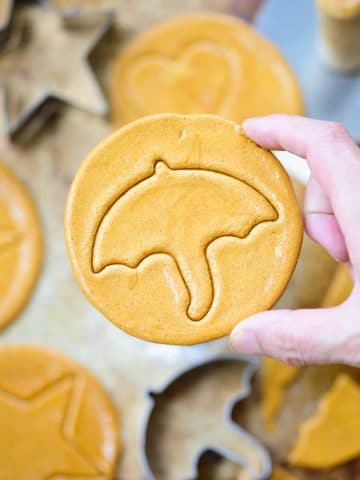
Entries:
{"x":56,"y":421}
{"x":332,"y":436}
{"x":275,"y":377}
{"x":340,"y":287}
{"x":20,"y":246}
{"x":279,"y":473}
{"x":202,"y":63}
{"x":177,"y":227}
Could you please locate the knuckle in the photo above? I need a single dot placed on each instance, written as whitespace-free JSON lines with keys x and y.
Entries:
{"x":295,"y":349}
{"x":334,"y":131}
{"x":295,"y":362}
{"x":298,"y":359}
{"x":348,"y":349}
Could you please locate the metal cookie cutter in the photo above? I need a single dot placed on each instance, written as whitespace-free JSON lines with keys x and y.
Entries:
{"x":49,"y":75}
{"x":192,"y":414}
{"x":6,"y":9}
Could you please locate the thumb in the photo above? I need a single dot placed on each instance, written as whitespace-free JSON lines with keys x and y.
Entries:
{"x":300,"y":337}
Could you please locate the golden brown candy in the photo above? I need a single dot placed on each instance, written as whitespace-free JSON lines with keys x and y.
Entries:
{"x":20,"y":246}
{"x":55,"y":419}
{"x":202,"y":63}
{"x":178,"y":227}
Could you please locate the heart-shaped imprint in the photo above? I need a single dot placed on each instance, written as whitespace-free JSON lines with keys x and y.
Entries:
{"x":198,"y":80}
{"x":198,"y":64}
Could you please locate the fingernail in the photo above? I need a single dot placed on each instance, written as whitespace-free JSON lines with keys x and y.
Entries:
{"x":338,"y":260}
{"x":244,"y":341}
{"x":245,"y":124}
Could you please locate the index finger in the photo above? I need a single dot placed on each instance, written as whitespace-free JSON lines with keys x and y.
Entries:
{"x":334,"y":160}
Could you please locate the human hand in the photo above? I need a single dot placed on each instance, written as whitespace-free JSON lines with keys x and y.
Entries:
{"x":332,"y":218}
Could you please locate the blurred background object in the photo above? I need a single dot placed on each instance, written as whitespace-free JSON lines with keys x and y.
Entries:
{"x":294,"y":27}
{"x":339,"y":22}
{"x":45,"y":60}
{"x":331,"y":437}
{"x":6,"y":7}
{"x":55,"y":417}
{"x":340,"y":287}
{"x":21,"y":246}
{"x":193,"y":398}
{"x":202,"y":63}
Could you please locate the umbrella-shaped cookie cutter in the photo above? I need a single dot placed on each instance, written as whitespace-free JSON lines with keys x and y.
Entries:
{"x":225,"y":437}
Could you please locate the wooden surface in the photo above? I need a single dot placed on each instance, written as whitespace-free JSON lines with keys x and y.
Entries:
{"x":59,"y":316}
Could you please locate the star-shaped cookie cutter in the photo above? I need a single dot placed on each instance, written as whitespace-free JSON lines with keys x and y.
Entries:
{"x":6,"y":9}
{"x":45,"y":63}
{"x":261,"y":467}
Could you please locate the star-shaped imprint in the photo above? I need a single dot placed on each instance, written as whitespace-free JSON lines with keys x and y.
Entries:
{"x":36,"y":443}
{"x":46,"y":58}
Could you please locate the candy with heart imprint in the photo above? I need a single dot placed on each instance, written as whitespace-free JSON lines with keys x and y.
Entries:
{"x":202,"y":63}
{"x":200,"y":76}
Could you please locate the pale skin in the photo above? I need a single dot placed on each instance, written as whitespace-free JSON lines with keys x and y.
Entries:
{"x":332,"y":218}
